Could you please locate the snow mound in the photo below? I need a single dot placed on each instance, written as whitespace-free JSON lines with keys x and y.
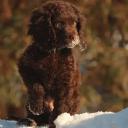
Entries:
{"x":7,"y":124}
{"x":85,"y":120}
{"x":93,"y":120}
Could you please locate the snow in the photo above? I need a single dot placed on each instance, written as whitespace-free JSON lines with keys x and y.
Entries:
{"x":7,"y":124}
{"x":85,"y":120}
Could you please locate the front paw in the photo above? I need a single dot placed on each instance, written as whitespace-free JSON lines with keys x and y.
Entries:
{"x":35,"y":108}
{"x":36,"y":99}
{"x":27,"y":122}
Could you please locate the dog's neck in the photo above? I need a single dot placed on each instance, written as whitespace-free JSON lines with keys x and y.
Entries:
{"x":47,"y":50}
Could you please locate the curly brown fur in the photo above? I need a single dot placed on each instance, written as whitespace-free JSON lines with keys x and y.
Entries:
{"x":48,"y":66}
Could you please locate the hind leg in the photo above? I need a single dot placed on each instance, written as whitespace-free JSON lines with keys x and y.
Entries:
{"x":27,"y":122}
{"x":40,"y":120}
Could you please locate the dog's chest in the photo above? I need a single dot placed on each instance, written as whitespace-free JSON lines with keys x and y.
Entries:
{"x":48,"y":63}
{"x":49,"y":67}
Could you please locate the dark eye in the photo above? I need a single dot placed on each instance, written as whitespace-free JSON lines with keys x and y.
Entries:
{"x":59,"y":25}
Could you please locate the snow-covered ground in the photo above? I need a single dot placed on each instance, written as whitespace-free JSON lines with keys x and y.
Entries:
{"x":85,"y":120}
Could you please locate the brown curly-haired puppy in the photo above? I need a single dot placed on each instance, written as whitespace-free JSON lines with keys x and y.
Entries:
{"x":48,"y":66}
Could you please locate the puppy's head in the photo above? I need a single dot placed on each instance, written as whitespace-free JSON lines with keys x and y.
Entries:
{"x":57,"y":24}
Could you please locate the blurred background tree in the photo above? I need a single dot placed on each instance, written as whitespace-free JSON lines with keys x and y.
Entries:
{"x":104,"y":66}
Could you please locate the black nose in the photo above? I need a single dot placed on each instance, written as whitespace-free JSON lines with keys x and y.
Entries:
{"x":71,"y":36}
{"x":68,"y":35}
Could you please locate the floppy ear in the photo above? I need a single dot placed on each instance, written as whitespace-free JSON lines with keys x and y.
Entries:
{"x":32,"y":25}
{"x":81,"y":21}
{"x":81,"y":32}
{"x":41,"y":27}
